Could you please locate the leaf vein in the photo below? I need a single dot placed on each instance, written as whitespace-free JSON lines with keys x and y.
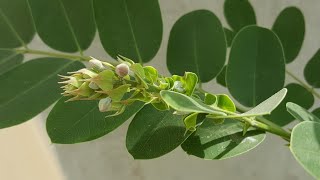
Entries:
{"x":70,"y":27}
{"x":14,"y":32}
{"x":36,"y":85}
{"x":132,"y":32}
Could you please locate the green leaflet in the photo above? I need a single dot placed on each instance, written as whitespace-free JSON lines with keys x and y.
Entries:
{"x":151,"y":74}
{"x":16,"y":26}
{"x":130,"y":28}
{"x":268,"y":105}
{"x":9,"y":60}
{"x":64,"y":25}
{"x":239,"y":13}
{"x":80,"y":121}
{"x":188,"y":82}
{"x":224,"y":102}
{"x":117,"y":93}
{"x":140,"y":74}
{"x":221,"y":141}
{"x":104,"y":80}
{"x":256,"y":67}
{"x":190,"y":122}
{"x":297,"y":94}
{"x":197,"y":44}
{"x":316,"y":112}
{"x":31,"y":88}
{"x":300,"y":113}
{"x":191,"y":80}
{"x":305,"y":146}
{"x":154,"y":133}
{"x":311,"y":71}
{"x":183,"y":103}
{"x":221,"y":78}
{"x":290,"y":28}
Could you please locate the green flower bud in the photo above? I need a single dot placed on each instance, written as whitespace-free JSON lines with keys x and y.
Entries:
{"x":74,"y":81}
{"x":122,"y":69}
{"x":105,"y":104}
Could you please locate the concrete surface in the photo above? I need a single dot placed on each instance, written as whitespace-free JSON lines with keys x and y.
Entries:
{"x":26,"y":152}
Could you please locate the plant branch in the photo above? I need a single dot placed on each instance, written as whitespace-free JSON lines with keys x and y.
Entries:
{"x":52,"y":54}
{"x":271,"y":128}
{"x":263,"y":120}
{"x":263,"y":124}
{"x":238,"y":116}
{"x":258,"y":122}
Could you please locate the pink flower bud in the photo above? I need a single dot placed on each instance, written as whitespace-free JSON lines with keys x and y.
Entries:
{"x":122,"y":69}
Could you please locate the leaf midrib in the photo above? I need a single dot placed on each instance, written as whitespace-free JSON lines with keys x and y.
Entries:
{"x":132,"y":32}
{"x":78,"y":121}
{"x":70,"y":26}
{"x":153,"y":131}
{"x":12,"y":29}
{"x":195,"y":54}
{"x":4,"y":60}
{"x":254,"y":85}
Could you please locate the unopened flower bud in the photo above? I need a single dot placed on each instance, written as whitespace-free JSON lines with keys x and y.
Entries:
{"x":178,"y":86}
{"x":122,"y":69}
{"x":105,"y":104}
{"x":93,"y":85}
{"x":96,"y":64}
{"x":85,"y":73}
{"x":70,"y":80}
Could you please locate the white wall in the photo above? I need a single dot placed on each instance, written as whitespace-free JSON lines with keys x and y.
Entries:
{"x":107,"y":157}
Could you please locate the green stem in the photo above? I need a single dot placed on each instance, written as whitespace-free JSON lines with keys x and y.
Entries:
{"x":258,"y":122}
{"x":264,"y":120}
{"x":309,"y":88}
{"x":53,"y":54}
{"x":263,"y":124}
{"x":238,"y":116}
{"x":270,"y":128}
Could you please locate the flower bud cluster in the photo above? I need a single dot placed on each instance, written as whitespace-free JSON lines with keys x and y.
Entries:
{"x":119,"y":85}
